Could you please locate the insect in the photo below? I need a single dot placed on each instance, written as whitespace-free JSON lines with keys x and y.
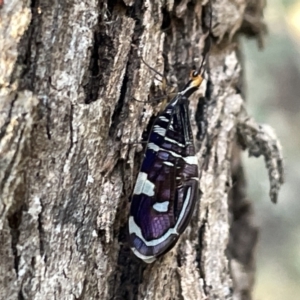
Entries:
{"x":167,"y":186}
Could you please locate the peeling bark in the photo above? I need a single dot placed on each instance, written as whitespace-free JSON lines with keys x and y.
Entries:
{"x":75,"y":100}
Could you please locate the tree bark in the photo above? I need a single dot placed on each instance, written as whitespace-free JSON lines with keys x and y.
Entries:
{"x":75,"y":100}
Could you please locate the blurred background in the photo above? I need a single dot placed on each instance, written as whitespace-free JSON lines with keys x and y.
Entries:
{"x":273,"y":97}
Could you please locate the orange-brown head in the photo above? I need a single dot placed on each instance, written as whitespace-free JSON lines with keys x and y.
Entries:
{"x":193,"y":84}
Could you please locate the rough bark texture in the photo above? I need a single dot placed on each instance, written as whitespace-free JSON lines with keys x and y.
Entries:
{"x":75,"y":99}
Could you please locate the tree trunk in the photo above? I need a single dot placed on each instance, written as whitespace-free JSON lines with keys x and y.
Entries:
{"x":75,"y":100}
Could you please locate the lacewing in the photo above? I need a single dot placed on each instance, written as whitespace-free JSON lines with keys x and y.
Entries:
{"x":167,"y":185}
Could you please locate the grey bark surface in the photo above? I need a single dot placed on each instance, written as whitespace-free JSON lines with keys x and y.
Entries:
{"x":75,"y":99}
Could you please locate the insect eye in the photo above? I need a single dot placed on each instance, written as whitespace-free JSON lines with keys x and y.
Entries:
{"x":195,"y":74}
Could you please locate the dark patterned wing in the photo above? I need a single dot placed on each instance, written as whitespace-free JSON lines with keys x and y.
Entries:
{"x":167,"y":185}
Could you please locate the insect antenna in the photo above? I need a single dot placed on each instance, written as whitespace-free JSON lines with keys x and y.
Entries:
{"x":207,"y":44}
{"x":164,"y":78}
{"x":166,"y":94}
{"x":152,"y":69}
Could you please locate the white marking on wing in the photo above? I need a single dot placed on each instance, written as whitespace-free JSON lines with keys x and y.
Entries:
{"x":164,"y":119}
{"x":143,"y":185}
{"x":146,"y":259}
{"x":168,"y":163}
{"x":153,"y":147}
{"x":159,"y":130}
{"x":174,"y":142}
{"x":161,"y":206}
{"x":134,"y":228}
{"x":191,"y":160}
